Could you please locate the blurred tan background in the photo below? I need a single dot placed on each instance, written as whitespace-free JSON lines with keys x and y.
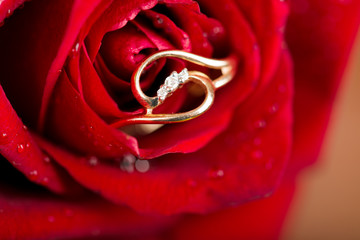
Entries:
{"x":327,"y":202}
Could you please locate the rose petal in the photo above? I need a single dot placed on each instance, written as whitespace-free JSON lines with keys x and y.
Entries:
{"x":19,"y":148}
{"x":43,"y":216}
{"x":260,"y":219}
{"x":114,"y":17}
{"x":72,"y":123}
{"x":320,"y":55}
{"x":94,"y":92}
{"x":267,"y":20}
{"x":8,"y":7}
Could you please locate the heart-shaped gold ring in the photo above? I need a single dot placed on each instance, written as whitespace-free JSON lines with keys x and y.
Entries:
{"x":176,"y":81}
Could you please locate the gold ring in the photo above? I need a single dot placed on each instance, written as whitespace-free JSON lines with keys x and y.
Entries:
{"x":176,"y":81}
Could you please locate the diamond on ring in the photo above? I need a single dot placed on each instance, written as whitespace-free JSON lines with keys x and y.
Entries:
{"x":172,"y":83}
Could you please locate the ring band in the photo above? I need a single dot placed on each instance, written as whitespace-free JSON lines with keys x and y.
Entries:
{"x":176,"y":81}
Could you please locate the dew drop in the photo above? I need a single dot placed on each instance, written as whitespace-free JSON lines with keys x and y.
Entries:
{"x":216,"y":173}
{"x":83,"y":128}
{"x":274,"y":108}
{"x":45,"y":180}
{"x":257,"y":154}
{"x":269,"y":164}
{"x":27,"y":145}
{"x":127,"y":163}
{"x":269,"y":194}
{"x":20,"y":148}
{"x":281,"y":88}
{"x":257,"y":141}
{"x":51,"y":219}
{"x":159,"y":20}
{"x":25,"y":127}
{"x":95,"y":232}
{"x":46,"y":159}
{"x":69,"y":212}
{"x":191,"y":183}
{"x":8,"y":13}
{"x":216,"y":30}
{"x":108,"y":147}
{"x":33,"y":175}
{"x":3,"y":138}
{"x":142,"y":166}
{"x":76,"y":48}
{"x":93,"y":161}
{"x":260,"y":124}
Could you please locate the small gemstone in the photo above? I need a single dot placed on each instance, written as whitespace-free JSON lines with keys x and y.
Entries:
{"x":174,"y":74}
{"x":172,"y":83}
{"x":183,"y":75}
{"x":162,"y":93}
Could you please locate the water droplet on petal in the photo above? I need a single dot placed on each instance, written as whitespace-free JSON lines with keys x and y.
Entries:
{"x":8,"y":13}
{"x":269,"y":164}
{"x":216,"y":173}
{"x":33,"y":175}
{"x":25,"y":127}
{"x":76,"y":48}
{"x":95,"y":232}
{"x":27,"y":145}
{"x":46,"y":159}
{"x":216,"y":30}
{"x":268,"y":194}
{"x":142,"y":165}
{"x":257,"y":141}
{"x":260,"y":124}
{"x":257,"y":154}
{"x":69,"y":212}
{"x":93,"y":161}
{"x":191,"y":183}
{"x":274,"y":108}
{"x":127,"y":163}
{"x":51,"y":219}
{"x":45,"y":180}
{"x":281,"y":88}
{"x":108,"y":147}
{"x":159,"y":20}
{"x":3,"y":138}
{"x":281,"y":29}
{"x":20,"y":148}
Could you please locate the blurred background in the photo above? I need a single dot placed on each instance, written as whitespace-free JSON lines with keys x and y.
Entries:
{"x":327,"y":202}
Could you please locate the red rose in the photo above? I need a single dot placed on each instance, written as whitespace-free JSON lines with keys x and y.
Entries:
{"x":66,"y":67}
